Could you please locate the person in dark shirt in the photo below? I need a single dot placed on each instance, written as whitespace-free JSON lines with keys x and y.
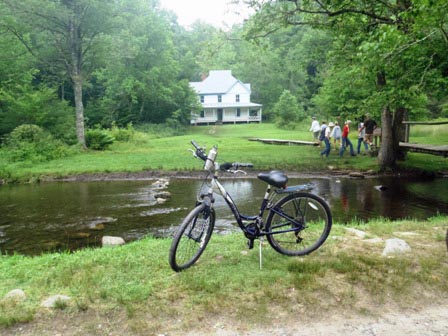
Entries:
{"x":369,"y":126}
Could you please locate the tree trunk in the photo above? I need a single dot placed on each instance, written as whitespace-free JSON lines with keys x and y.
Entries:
{"x":75,"y":43}
{"x":399,"y":132}
{"x":79,"y":108}
{"x":386,"y":156}
{"x":392,"y":132}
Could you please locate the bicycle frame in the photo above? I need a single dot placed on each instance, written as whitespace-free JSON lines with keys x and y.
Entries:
{"x":258,"y":219}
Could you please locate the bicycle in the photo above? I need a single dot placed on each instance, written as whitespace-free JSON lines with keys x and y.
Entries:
{"x":295,"y":225}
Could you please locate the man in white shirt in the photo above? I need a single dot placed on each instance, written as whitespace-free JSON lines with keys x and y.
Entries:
{"x":315,"y":128}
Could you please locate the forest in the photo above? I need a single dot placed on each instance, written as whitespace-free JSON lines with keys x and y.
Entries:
{"x":69,"y":68}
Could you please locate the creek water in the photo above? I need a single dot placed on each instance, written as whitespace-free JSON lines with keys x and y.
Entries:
{"x":71,"y":215}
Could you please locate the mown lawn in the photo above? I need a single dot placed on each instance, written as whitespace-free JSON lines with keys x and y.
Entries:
{"x":170,"y":153}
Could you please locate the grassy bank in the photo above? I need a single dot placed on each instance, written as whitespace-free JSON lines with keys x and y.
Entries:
{"x":132,"y":289}
{"x":154,"y":152}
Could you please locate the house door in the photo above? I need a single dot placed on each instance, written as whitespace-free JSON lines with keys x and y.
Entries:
{"x":219,"y":114}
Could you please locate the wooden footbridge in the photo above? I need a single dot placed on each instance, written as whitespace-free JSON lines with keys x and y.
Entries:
{"x":422,"y":148}
{"x":405,"y":145}
{"x":285,"y":142}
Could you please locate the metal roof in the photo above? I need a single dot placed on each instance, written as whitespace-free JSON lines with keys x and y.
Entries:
{"x":218,"y":82}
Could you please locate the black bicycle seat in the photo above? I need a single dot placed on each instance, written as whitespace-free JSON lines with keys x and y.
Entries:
{"x":276,"y":178}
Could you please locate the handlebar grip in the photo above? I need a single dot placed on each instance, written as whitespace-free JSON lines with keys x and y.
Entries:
{"x":195,"y":144}
{"x":199,"y":151}
{"x":244,"y":164}
{"x":225,"y":166}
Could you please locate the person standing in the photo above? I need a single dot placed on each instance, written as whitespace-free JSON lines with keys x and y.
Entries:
{"x":323,"y":127}
{"x":369,"y":126}
{"x":326,"y":140}
{"x":361,"y":136}
{"x":315,"y":128}
{"x":345,"y":140}
{"x":336,"y":134}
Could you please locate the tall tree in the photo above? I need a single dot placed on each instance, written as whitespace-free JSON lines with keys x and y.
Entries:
{"x":142,"y":79}
{"x":63,"y":36}
{"x":391,"y":41}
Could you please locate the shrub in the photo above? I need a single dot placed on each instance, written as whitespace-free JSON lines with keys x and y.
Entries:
{"x":32,"y":143}
{"x":98,"y":139}
{"x":122,"y":134}
{"x":288,"y":111}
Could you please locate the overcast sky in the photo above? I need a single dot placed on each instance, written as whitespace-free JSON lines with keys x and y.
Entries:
{"x":216,"y":12}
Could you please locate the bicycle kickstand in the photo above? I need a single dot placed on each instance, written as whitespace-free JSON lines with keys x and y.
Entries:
{"x":261,"y":256}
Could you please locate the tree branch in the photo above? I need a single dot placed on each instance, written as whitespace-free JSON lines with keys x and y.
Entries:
{"x":407,"y":46}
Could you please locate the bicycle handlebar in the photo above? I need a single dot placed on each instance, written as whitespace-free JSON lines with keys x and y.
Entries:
{"x":200,"y":152}
{"x":227,"y":166}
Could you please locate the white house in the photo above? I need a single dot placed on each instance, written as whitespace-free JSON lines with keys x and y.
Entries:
{"x":224,"y":99}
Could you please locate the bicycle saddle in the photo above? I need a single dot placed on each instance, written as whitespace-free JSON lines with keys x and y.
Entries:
{"x":276,"y":178}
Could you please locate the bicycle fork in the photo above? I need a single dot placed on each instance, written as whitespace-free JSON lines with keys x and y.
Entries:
{"x":196,"y":232}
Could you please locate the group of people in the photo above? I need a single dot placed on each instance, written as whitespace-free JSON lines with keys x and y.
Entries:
{"x":324,"y":133}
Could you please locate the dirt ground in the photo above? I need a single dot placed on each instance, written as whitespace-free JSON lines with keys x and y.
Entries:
{"x":426,"y":321}
{"x":430,"y":321}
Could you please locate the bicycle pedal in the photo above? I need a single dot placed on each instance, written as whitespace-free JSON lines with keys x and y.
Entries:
{"x":250,"y":244}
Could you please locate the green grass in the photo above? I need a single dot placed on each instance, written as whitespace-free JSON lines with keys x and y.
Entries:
{"x":429,"y":134}
{"x":148,"y":152}
{"x":136,"y":282}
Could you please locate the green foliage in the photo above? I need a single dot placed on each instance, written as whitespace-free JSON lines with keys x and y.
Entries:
{"x":122,"y":134}
{"x":98,"y":139}
{"x":288,"y":111}
{"x":138,"y":62}
{"x":25,"y":103}
{"x":26,"y":133}
{"x":32,"y":143}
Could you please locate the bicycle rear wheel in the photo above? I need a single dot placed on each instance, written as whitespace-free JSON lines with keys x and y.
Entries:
{"x":298,"y":224}
{"x":192,"y":237}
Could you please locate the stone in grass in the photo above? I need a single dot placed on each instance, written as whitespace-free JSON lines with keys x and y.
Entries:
{"x":55,"y":300}
{"x":110,"y":241}
{"x":395,"y":246}
{"x":15,"y":295}
{"x":356,"y":232}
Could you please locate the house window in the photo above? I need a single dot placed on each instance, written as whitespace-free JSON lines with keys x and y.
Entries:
{"x":253,"y":113}
{"x":202,"y":114}
{"x":237,"y":98}
{"x":238,"y":112}
{"x":219,"y":99}
{"x":202,"y":99}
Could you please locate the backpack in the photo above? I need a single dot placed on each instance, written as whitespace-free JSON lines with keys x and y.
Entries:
{"x":322,"y":133}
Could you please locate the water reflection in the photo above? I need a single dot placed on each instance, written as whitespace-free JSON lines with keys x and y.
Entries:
{"x":61,"y":216}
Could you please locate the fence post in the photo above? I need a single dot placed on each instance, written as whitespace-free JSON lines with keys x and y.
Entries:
{"x":406,"y":132}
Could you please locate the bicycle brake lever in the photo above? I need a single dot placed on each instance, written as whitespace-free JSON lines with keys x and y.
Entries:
{"x":239,"y":171}
{"x":194,"y":153}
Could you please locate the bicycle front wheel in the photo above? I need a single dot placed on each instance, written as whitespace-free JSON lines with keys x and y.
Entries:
{"x":192,"y":237}
{"x":298,"y":224}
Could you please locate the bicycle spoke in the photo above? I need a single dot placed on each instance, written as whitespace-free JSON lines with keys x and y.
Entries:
{"x":191,"y":239}
{"x":298,"y":224}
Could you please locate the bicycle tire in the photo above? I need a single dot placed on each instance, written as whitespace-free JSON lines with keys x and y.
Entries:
{"x":192,"y":237}
{"x":298,"y":224}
